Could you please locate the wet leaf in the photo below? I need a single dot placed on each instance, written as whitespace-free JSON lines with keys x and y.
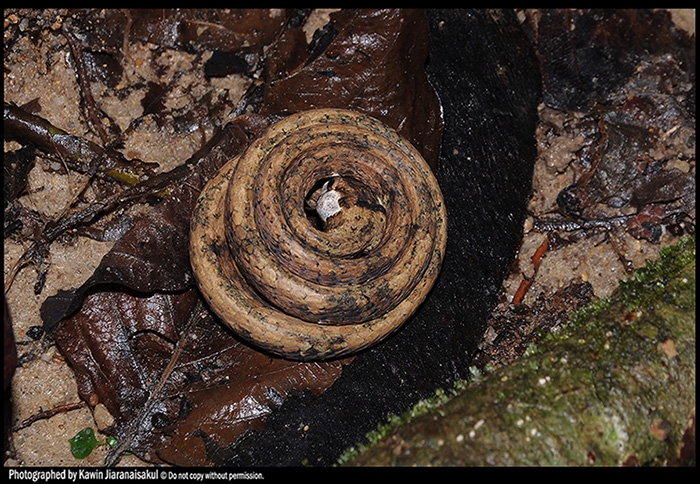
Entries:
{"x":124,"y":346}
{"x":641,"y":141}
{"x":183,"y":389}
{"x":372,"y":65}
{"x":226,"y":29}
{"x":83,"y":443}
{"x":587,"y":54}
{"x":154,"y":254}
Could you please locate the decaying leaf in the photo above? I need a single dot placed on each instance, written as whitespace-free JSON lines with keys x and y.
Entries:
{"x":631,"y":76}
{"x":585,"y":55}
{"x":636,"y":167}
{"x":153,"y":255}
{"x":369,"y":69}
{"x":138,"y":306}
{"x":188,"y":410}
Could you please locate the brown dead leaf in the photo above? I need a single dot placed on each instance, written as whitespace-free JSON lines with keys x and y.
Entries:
{"x":183,"y":389}
{"x":186,"y":406}
{"x":195,"y":29}
{"x":374,"y":65}
{"x":669,"y":348}
{"x":154,"y":254}
{"x":633,"y":171}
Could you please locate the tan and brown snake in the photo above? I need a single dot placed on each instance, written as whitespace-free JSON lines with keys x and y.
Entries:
{"x":321,"y":238}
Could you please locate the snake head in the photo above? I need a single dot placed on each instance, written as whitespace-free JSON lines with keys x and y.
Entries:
{"x":328,"y":202}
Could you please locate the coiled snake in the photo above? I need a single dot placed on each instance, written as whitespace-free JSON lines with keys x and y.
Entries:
{"x":321,"y":238}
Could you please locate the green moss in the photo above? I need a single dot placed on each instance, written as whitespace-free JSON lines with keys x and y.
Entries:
{"x":425,"y":406}
{"x":615,"y":383}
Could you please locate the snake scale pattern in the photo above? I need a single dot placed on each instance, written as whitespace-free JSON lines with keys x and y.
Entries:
{"x":321,"y":238}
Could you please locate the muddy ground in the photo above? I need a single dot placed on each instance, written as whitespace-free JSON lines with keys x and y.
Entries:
{"x":43,"y":69}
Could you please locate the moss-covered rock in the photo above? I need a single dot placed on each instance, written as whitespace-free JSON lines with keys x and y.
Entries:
{"x":614,"y":386}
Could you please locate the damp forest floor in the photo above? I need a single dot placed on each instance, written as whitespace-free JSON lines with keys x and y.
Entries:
{"x":564,"y":271}
{"x":614,"y":385}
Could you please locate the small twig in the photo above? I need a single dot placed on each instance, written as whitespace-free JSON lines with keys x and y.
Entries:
{"x":46,"y":414}
{"x":127,"y":32}
{"x":570,"y":225}
{"x":77,"y":153}
{"x":527,"y":281}
{"x":539,"y":253}
{"x":91,"y":110}
{"x":86,"y":89}
{"x":131,"y":195}
{"x":154,"y":393}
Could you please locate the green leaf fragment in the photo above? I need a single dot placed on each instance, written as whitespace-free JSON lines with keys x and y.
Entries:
{"x":83,"y":443}
{"x":111,"y":441}
{"x":123,"y":176}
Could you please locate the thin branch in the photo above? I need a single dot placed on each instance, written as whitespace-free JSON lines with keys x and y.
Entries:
{"x":46,"y":414}
{"x":85,"y":86}
{"x":571,"y":225}
{"x":131,"y":432}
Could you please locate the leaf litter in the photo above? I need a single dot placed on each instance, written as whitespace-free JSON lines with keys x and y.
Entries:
{"x":171,"y":377}
{"x":205,"y":352}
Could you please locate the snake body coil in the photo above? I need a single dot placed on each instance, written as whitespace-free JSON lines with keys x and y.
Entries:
{"x":322,"y":238}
